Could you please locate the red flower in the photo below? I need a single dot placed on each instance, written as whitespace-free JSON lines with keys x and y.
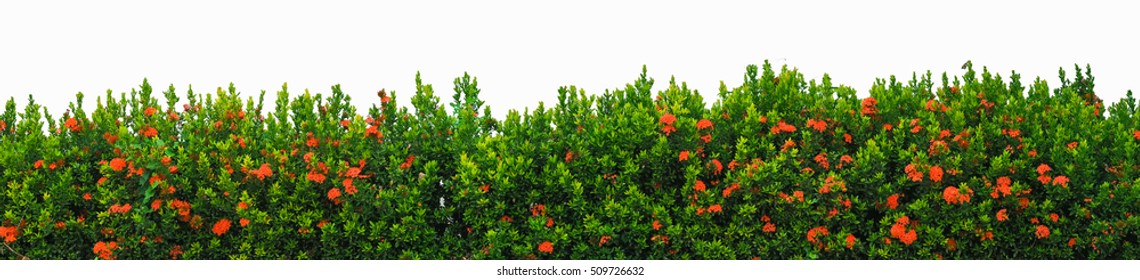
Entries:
{"x":817,"y":125}
{"x":546,"y":247}
{"x":909,"y":237}
{"x":714,"y":208}
{"x":951,"y":195}
{"x":769,"y":227}
{"x":312,"y":142}
{"x":717,"y":166}
{"x":667,"y":123}
{"x":549,"y":222}
{"x":242,"y":205}
{"x":1042,"y":232}
{"x":149,"y":132}
{"x":149,"y":111}
{"x":9,"y":233}
{"x":221,"y":227}
{"x":156,"y":204}
{"x":936,"y":173}
{"x":39,"y":164}
{"x":893,"y":201}
{"x":799,"y":195}
{"x":349,"y":188}
{"x":334,"y":194}
{"x":816,"y":231}
{"x":243,"y":222}
{"x":120,"y":209}
{"x":1054,"y":217}
{"x":117,"y":164}
{"x":821,"y":159}
{"x":1061,"y":180}
{"x":850,"y":240}
{"x":847,"y":138}
{"x":569,"y":156}
{"x":538,"y":210}
{"x":704,"y":124}
{"x":869,"y":108}
{"x":1135,"y":134}
{"x":408,"y":162}
{"x":1002,"y":216}
{"x":103,"y":249}
{"x":1041,"y":169}
{"x":683,"y":156}
{"x":605,"y":238}
{"x":1072,"y":241}
{"x":699,"y":186}
{"x":913,"y":173}
{"x":951,"y":244}
{"x":656,"y":225}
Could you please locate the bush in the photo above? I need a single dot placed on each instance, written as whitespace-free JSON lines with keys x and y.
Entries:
{"x":777,"y":168}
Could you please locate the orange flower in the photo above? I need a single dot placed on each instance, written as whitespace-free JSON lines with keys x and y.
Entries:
{"x":850,"y":240}
{"x":569,"y":156}
{"x":769,"y":227}
{"x":538,"y":210}
{"x":39,"y":164}
{"x":242,"y":205}
{"x":817,"y":125}
{"x":1072,"y":241}
{"x":847,"y":138}
{"x":1045,"y":179}
{"x":951,"y":244}
{"x":656,"y":225}
{"x":821,"y":159}
{"x":349,"y":188}
{"x":936,"y":173}
{"x":950,"y":194}
{"x":913,"y":173}
{"x":1054,"y":217}
{"x":667,"y":123}
{"x":156,"y":204}
{"x":1041,"y":169}
{"x":408,"y":162}
{"x":1073,"y":145}
{"x":243,"y":222}
{"x":546,"y":247}
{"x":117,"y":164}
{"x":704,"y":124}
{"x":103,"y":250}
{"x":1042,"y":232}
{"x":1135,"y":134}
{"x":799,"y":195}
{"x":549,"y":222}
{"x":683,"y":156}
{"x":334,"y":194}
{"x":699,"y":186}
{"x":893,"y":201}
{"x":717,"y":167}
{"x":149,"y":132}
{"x":909,"y":237}
{"x":715,"y":208}
{"x":816,"y":231}
{"x":1061,"y":180}
{"x":221,"y":227}
{"x":119,"y":209}
{"x":149,"y":111}
{"x":605,"y":238}
{"x":263,"y":172}
{"x":1002,"y":216}
{"x":9,"y":233}
{"x":869,"y":108}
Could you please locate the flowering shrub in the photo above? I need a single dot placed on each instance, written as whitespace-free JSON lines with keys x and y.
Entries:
{"x":776,"y":168}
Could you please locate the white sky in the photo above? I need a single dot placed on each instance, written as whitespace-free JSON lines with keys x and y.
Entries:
{"x":522,"y":51}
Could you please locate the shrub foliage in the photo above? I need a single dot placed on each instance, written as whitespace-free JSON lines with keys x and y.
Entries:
{"x":978,"y":167}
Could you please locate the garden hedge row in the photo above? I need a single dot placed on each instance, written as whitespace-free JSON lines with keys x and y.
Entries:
{"x":776,"y":168}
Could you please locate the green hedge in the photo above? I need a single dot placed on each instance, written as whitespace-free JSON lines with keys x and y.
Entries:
{"x":978,"y":167}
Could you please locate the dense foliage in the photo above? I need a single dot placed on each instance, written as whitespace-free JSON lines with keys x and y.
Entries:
{"x":776,"y":168}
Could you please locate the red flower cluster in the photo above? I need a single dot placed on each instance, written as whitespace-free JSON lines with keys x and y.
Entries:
{"x":9,"y":233}
{"x":953,"y":195}
{"x":704,"y":124}
{"x":817,"y":125}
{"x":72,"y":125}
{"x":667,"y":121}
{"x":103,"y":249}
{"x":546,"y":247}
{"x":117,"y":164}
{"x":1002,"y":188}
{"x":1042,"y":232}
{"x":1002,"y":216}
{"x":728,"y":191}
{"x":334,"y":195}
{"x":408,"y":162}
{"x":816,"y":231}
{"x":850,"y":240}
{"x":1041,"y":170}
{"x":893,"y":201}
{"x":221,"y":227}
{"x":683,"y":156}
{"x":120,"y":209}
{"x":869,"y":108}
{"x":899,"y":231}
{"x":715,"y":208}
{"x":1061,"y":180}
{"x":262,"y":172}
{"x":913,"y":173}
{"x":782,"y":126}
{"x":936,"y":173}
{"x":699,"y":186}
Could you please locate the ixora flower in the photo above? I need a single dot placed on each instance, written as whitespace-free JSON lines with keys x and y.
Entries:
{"x":704,"y":124}
{"x":221,"y":227}
{"x":546,"y":247}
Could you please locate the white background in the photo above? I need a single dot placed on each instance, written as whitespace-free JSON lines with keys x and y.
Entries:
{"x":522,"y":51}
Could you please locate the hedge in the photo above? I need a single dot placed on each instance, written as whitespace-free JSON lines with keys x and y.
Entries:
{"x":777,"y":168}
